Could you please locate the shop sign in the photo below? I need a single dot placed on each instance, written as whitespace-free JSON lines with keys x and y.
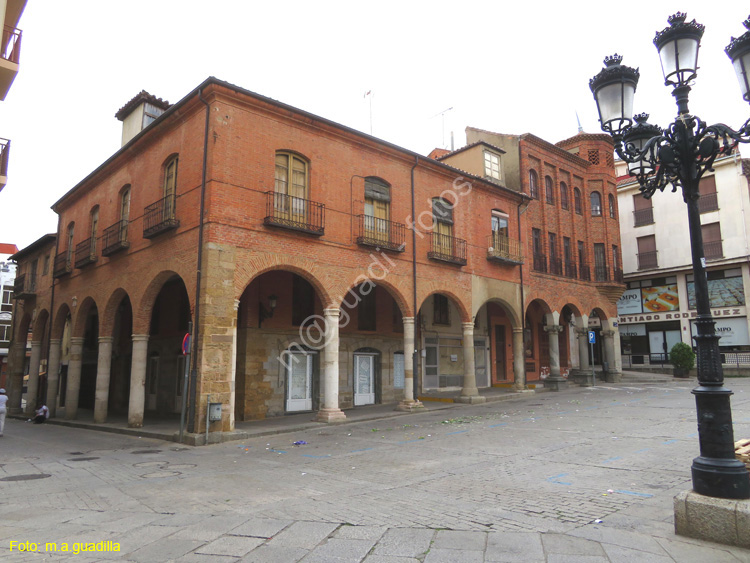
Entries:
{"x":731,"y":312}
{"x":633,"y":330}
{"x":630,"y":302}
{"x":731,"y":332}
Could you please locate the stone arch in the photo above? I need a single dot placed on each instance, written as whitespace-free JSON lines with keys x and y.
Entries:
{"x":507,"y":307}
{"x":79,"y":324}
{"x":40,"y":325}
{"x":249,"y":270}
{"x":58,"y":327}
{"x":393,"y":290}
{"x":142,"y":316}
{"x":23,"y":327}
{"x":107,"y":316}
{"x":462,"y":309}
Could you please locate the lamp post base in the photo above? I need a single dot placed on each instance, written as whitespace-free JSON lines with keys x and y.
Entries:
{"x":721,"y":478}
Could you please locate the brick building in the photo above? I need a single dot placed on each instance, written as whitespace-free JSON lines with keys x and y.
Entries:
{"x":327,"y":258}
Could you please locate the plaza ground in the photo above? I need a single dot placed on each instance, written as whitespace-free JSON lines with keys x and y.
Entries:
{"x":585,"y":474}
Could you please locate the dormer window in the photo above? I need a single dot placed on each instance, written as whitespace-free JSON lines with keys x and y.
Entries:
{"x":491,"y":165}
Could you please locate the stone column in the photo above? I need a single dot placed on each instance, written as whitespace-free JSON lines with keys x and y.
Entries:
{"x":53,"y":374}
{"x":555,"y":381}
{"x":469,"y":391}
{"x":32,"y":387}
{"x":15,"y":379}
{"x":73,"y":387}
{"x":612,"y":374}
{"x":104,"y":362}
{"x":519,"y":361}
{"x":409,"y":402}
{"x":331,"y":411}
{"x":138,"y":381}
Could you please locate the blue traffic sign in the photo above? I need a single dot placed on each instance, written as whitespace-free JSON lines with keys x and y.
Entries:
{"x":592,"y":337}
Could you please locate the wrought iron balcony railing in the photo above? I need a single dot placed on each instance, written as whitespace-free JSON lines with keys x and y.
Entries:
{"x":63,"y":264}
{"x":295,"y":213}
{"x":159,"y":217}
{"x":10,"y":48}
{"x":115,"y":238}
{"x":648,"y":260}
{"x":380,"y":233}
{"x":570,"y":270}
{"x":643,"y":217}
{"x":24,"y":286}
{"x":447,"y":249}
{"x":540,"y":263}
{"x":4,"y":153}
{"x":713,"y":250}
{"x":601,"y":273}
{"x":708,"y":202}
{"x":503,"y":249}
{"x":584,"y":272}
{"x":86,"y":252}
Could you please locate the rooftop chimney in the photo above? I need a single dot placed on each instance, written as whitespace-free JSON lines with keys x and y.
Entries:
{"x":139,"y":113}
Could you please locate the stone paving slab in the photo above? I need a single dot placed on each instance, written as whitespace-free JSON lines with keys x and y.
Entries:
{"x":522,"y":481}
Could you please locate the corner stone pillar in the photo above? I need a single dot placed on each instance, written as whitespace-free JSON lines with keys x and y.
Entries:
{"x":32,"y":388}
{"x":519,"y":361}
{"x":469,"y":392}
{"x":409,"y":403}
{"x":53,"y":374}
{"x":104,"y":362}
{"x":555,"y":381}
{"x":15,"y":379}
{"x":74,"y":378}
{"x":137,"y":401}
{"x":612,"y":374}
{"x":331,"y":411}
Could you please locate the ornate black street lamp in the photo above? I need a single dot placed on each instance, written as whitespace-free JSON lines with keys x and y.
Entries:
{"x":678,"y":156}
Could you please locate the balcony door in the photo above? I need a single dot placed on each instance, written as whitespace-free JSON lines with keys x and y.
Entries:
{"x":291,"y":188}
{"x":500,"y":233}
{"x":377,"y":210}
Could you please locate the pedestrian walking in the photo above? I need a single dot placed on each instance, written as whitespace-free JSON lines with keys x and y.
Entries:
{"x":3,"y":409}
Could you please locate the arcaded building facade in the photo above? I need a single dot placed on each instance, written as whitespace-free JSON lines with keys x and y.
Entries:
{"x":315,"y":267}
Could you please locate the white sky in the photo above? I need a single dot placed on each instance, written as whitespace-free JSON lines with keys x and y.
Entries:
{"x":511,"y":67}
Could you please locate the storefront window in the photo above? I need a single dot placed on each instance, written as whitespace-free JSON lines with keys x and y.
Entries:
{"x":725,"y":289}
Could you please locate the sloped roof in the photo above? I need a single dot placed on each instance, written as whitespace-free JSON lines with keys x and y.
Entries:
{"x":139,"y":98}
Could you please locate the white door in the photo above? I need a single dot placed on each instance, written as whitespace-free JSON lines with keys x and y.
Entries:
{"x":299,"y":382}
{"x":480,"y":362}
{"x":364,"y":380}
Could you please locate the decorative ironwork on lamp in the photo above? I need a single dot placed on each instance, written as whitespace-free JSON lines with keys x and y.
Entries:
{"x":679,"y":156}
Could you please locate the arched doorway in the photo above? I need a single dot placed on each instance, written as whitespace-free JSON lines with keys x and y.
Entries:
{"x":279,"y":346}
{"x":122,"y":355}
{"x":170,"y":319}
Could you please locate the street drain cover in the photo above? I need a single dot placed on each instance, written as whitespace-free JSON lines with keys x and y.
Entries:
{"x":30,"y":477}
{"x":83,"y":459}
{"x":146,"y":452}
{"x":76,"y":453}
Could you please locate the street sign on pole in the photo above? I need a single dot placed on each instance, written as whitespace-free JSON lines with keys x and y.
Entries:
{"x":592,"y":337}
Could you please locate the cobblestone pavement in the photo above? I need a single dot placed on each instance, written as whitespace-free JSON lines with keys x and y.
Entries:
{"x":583,"y":475}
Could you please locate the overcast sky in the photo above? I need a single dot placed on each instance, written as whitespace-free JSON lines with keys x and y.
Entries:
{"x":511,"y":67}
